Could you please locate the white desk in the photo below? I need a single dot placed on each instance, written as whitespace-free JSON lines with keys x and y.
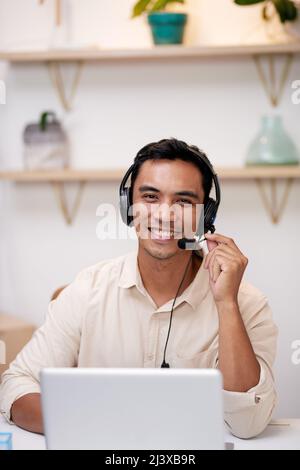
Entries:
{"x":280,"y":435}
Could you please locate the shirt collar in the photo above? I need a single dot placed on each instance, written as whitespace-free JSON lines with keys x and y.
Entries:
{"x":196,"y":291}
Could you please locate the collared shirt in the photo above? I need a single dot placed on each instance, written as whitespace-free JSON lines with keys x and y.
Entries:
{"x":106,"y":318}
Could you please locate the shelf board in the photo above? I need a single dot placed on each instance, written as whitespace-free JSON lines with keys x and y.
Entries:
{"x":67,"y":175}
{"x":97,"y":175}
{"x":155,"y":52}
{"x":259,"y":172}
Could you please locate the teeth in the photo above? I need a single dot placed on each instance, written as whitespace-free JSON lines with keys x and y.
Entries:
{"x":162,"y":234}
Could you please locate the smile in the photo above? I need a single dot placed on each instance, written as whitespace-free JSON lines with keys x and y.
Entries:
{"x":164,"y":235}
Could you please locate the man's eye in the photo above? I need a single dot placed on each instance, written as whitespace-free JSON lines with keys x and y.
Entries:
{"x":150,"y":197}
{"x":184,"y":201}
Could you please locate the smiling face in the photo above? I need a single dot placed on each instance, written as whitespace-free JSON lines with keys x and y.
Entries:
{"x":169,"y":193}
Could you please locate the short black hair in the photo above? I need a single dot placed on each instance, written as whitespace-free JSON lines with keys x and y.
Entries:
{"x":174,"y":149}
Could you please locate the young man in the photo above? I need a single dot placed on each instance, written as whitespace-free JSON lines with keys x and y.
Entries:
{"x":117,"y":313}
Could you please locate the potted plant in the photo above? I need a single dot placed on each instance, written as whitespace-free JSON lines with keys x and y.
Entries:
{"x":288,"y":12}
{"x":167,"y":26}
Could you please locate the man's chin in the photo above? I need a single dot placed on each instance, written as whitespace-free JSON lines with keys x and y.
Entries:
{"x":161,"y":252}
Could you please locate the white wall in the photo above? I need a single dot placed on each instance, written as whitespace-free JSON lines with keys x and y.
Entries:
{"x":216,"y":104}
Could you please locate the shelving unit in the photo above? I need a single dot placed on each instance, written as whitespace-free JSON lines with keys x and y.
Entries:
{"x":55,"y":58}
{"x":263,"y":176}
{"x":272,"y":85}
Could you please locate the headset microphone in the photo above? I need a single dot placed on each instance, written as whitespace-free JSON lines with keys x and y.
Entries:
{"x":193,"y":244}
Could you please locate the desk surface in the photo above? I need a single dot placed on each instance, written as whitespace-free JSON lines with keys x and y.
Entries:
{"x":280,"y":435}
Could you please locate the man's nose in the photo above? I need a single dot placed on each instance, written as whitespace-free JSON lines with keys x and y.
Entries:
{"x":165,"y":213}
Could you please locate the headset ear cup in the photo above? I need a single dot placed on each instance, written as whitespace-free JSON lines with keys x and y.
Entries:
{"x":125,"y":204}
{"x":210,"y":212}
{"x":123,"y":208}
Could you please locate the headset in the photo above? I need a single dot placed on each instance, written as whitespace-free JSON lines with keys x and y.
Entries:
{"x":210,"y":208}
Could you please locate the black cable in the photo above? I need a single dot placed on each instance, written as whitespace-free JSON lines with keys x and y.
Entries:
{"x":164,"y":364}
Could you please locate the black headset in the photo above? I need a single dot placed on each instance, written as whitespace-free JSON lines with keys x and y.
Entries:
{"x":210,"y":208}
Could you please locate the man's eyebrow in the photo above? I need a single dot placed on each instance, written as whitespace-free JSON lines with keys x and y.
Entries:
{"x":187,"y":194}
{"x":145,"y":188}
{"x":191,"y":194}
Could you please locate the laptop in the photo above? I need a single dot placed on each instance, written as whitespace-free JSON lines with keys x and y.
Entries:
{"x":132,"y":409}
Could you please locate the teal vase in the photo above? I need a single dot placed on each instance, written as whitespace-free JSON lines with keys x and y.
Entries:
{"x":272,"y":146}
{"x":167,"y":28}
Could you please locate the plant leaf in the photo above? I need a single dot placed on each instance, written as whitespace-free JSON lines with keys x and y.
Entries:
{"x":291,"y":11}
{"x":248,"y":2}
{"x":286,"y":10}
{"x":161,"y":4}
{"x":140,"y":7}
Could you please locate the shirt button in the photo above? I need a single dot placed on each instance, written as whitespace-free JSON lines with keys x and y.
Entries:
{"x":150,"y":357}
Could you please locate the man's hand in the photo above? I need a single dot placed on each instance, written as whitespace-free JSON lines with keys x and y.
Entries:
{"x":237,"y":360}
{"x":226,"y":265}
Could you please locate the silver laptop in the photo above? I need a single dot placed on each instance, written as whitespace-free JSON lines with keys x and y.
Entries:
{"x":132,"y":409}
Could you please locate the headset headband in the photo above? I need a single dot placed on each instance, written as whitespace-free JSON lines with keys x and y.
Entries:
{"x":200,"y":157}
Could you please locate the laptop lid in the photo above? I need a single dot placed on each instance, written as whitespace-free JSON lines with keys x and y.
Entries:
{"x":157,"y":409}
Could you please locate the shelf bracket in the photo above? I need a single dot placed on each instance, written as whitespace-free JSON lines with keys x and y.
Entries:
{"x":272,"y":84}
{"x":58,"y":13}
{"x":68,"y":214}
{"x":59,"y":85}
{"x":272,"y":206}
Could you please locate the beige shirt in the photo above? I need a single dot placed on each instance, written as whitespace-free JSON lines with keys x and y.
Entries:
{"x":106,"y":318}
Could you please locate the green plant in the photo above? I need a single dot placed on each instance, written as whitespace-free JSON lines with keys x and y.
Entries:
{"x":286,"y":9}
{"x":150,"y":6}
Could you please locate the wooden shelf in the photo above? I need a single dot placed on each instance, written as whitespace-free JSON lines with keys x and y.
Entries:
{"x":63,"y":176}
{"x":97,"y":175}
{"x":261,"y":175}
{"x":151,"y":53}
{"x":259,"y":172}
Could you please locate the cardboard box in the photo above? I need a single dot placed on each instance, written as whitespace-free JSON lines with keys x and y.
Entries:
{"x":14,"y":334}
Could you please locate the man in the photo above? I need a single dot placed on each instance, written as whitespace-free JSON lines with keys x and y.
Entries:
{"x":117,"y":313}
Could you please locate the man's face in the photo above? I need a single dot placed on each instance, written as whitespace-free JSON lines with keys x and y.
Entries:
{"x":169,"y":193}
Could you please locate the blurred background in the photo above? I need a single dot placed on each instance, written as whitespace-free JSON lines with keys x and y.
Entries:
{"x":215,"y":102}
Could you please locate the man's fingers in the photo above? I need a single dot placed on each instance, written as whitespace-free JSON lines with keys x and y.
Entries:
{"x":218,"y":238}
{"x":220,"y":261}
{"x":215,"y":267}
{"x":221,"y":249}
{"x":228,"y":250}
{"x":211,"y":245}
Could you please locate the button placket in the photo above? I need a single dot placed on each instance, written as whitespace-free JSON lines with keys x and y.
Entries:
{"x":152,"y":342}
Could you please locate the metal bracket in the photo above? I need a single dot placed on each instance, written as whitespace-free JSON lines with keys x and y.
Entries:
{"x":274,"y":209}
{"x":57,"y":10}
{"x":69,"y":214}
{"x":274,"y":86}
{"x":58,"y":83}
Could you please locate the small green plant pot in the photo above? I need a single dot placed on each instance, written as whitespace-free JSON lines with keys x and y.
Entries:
{"x":167,"y":28}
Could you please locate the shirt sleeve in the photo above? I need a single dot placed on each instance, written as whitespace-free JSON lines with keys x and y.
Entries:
{"x":248,"y":414}
{"x":55,"y":344}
